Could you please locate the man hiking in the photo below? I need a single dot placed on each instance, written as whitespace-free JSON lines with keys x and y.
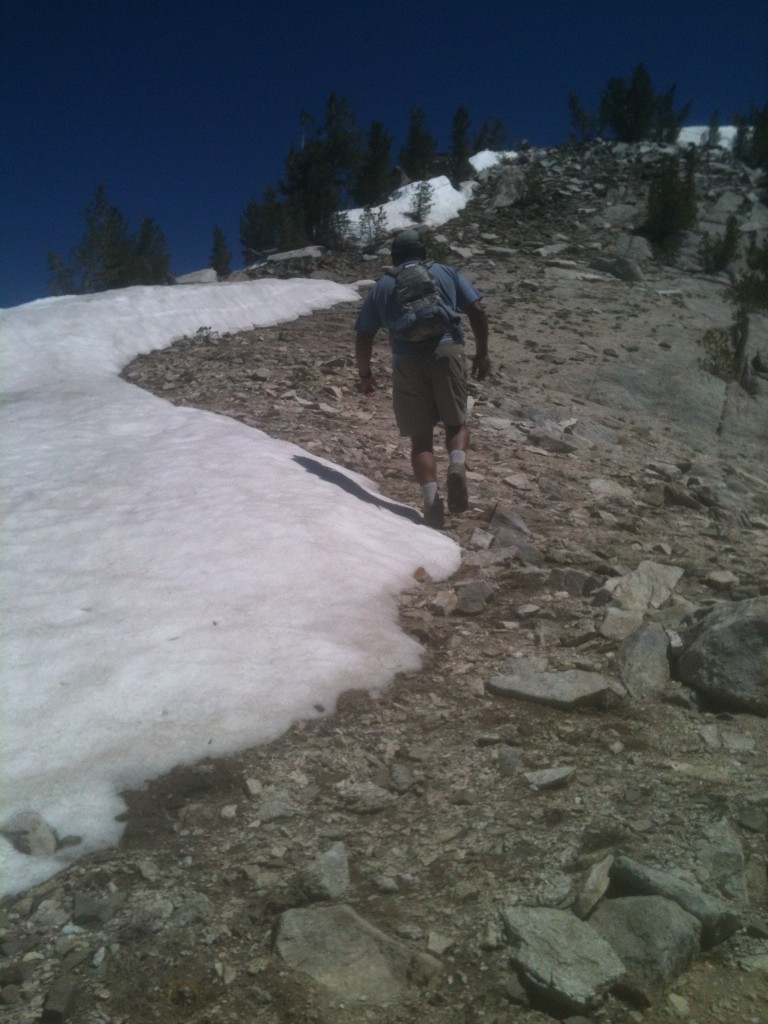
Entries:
{"x":419,"y":304}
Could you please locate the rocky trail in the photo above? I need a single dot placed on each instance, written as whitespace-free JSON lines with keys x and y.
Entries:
{"x":562,"y":815}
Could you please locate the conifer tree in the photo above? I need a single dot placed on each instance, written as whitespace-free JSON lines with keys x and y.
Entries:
{"x":671,"y":201}
{"x":461,"y":169}
{"x":109,"y":255}
{"x":584,"y":123}
{"x":221,"y":257}
{"x":492,"y":135}
{"x":151,"y":262}
{"x":262,"y":226}
{"x":104,"y":254}
{"x":417,"y":156}
{"x":342,"y":143}
{"x":372,"y":182}
{"x":666,"y":121}
{"x":62,"y":280}
{"x":633,"y":112}
{"x":311,"y":194}
{"x":319,"y":176}
{"x":751,"y":142}
{"x":628,"y":109}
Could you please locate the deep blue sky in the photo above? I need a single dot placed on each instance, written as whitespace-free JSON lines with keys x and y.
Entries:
{"x":184,"y":111}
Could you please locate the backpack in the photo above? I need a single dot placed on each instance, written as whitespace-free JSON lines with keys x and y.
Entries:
{"x":424,"y":315}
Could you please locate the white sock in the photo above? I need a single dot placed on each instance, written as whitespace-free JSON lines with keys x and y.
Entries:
{"x":457,"y":457}
{"x":429,"y":493}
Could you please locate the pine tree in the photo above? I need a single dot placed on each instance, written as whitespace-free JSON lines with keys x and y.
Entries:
{"x":628,"y":110}
{"x":492,"y":135}
{"x":103,"y":256}
{"x":221,"y":257}
{"x":461,"y":169}
{"x":633,"y":112}
{"x":418,"y":154}
{"x":671,"y":201}
{"x":311,"y":194}
{"x":108,"y":255}
{"x":666,"y":121}
{"x":371,"y":186}
{"x":343,"y":147}
{"x":262,"y":226}
{"x":751,"y":142}
{"x":319,"y":176}
{"x":151,"y":262}
{"x":62,"y":281}
{"x":584,"y":123}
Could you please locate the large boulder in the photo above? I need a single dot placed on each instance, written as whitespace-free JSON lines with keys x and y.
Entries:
{"x":562,"y":960}
{"x":654,"y":937}
{"x":725,"y":656}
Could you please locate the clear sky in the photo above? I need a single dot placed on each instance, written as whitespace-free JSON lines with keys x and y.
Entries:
{"x":184,"y":111}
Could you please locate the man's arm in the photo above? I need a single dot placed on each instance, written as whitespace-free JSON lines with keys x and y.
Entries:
{"x":478,"y":321}
{"x":363,"y":353}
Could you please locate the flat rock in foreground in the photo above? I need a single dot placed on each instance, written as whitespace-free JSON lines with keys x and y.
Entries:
{"x":569,"y":689}
{"x":563,"y":959}
{"x":349,"y":957}
{"x":656,"y":939}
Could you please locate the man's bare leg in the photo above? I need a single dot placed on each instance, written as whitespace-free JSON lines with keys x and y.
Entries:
{"x":457,"y":443}
{"x":424,"y":465}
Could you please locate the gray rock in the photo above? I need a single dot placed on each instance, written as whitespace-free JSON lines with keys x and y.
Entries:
{"x":720,"y":860}
{"x":676,"y":495}
{"x":552,"y":441}
{"x":510,"y":759}
{"x":620,"y":213}
{"x":563,"y":959}
{"x":150,"y":912}
{"x":643,"y":661}
{"x":473,"y":596}
{"x":594,"y":887}
{"x":91,"y":911}
{"x":60,"y":1001}
{"x":569,"y":689}
{"x":550,"y":778}
{"x":718,"y":919}
{"x":207,"y":276}
{"x":574,"y":581}
{"x":364,"y":797}
{"x":509,"y":187}
{"x":311,"y":252}
{"x":30,"y":833}
{"x":725,"y":655}
{"x":649,"y":586}
{"x":276,"y":810}
{"x":618,"y":624}
{"x":194,"y":908}
{"x":620,"y":266}
{"x":327,"y":877}
{"x":655,"y":938}
{"x":500,"y":252}
{"x":633,"y":247}
{"x":349,"y":957}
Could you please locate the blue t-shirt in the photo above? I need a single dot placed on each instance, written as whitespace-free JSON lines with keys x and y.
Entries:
{"x":381,"y":308}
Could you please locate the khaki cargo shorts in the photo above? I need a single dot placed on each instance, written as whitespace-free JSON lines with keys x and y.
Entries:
{"x":430,"y":389}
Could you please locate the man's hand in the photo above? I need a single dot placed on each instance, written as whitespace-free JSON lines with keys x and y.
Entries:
{"x":481,"y":367}
{"x":367,"y":385}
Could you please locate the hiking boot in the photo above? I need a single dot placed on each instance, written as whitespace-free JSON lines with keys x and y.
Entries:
{"x":434,"y":516}
{"x":458,"y":496}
